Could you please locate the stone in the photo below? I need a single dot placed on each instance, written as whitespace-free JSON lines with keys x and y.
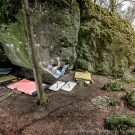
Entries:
{"x":101,"y":101}
{"x":81,"y":33}
{"x":105,"y":43}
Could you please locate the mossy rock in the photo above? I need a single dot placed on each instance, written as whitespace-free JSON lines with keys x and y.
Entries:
{"x":56,"y":29}
{"x":102,"y":36}
{"x":113,"y":86}
{"x":130,"y":98}
{"x":103,"y":101}
{"x":98,"y":41}
{"x":119,"y":122}
{"x":129,"y":76}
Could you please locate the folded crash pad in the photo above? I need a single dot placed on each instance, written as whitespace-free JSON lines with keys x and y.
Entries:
{"x":6,"y":79}
{"x":69,"y":86}
{"x":5,"y":71}
{"x":25,"y":86}
{"x":56,"y":86}
{"x":83,"y":75}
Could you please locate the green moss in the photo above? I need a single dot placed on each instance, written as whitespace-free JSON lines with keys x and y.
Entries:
{"x":119,"y":122}
{"x":113,"y":86}
{"x":102,"y":68}
{"x":113,"y":102}
{"x":60,"y":18}
{"x":131,"y":133}
{"x":15,"y":42}
{"x":129,"y":76}
{"x":130,"y":98}
{"x":60,"y":3}
{"x":56,"y":25}
{"x":105,"y":43}
{"x":103,"y":35}
{"x":84,"y":65}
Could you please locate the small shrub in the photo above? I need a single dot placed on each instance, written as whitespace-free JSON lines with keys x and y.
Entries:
{"x":131,"y":133}
{"x":119,"y":122}
{"x":113,"y":86}
{"x":130,"y":98}
{"x":113,"y":102}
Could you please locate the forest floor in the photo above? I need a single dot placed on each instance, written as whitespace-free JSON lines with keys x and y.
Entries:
{"x":67,"y":113}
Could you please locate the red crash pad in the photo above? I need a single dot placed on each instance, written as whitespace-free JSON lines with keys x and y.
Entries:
{"x":25,"y":86}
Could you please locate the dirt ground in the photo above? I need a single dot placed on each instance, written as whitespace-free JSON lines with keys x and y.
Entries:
{"x":67,"y":113}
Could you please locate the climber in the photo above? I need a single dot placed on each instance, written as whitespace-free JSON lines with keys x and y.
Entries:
{"x":57,"y":70}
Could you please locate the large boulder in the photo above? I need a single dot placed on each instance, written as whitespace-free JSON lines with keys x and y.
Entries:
{"x":56,"y":26}
{"x":56,"y":30}
{"x":106,"y":41}
{"x":77,"y":31}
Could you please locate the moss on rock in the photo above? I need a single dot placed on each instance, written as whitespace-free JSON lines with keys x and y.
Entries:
{"x":106,"y":41}
{"x":113,"y":86}
{"x":103,"y":41}
{"x":56,"y":25}
{"x":130,"y":98}
{"x":14,"y":41}
{"x":113,"y":102}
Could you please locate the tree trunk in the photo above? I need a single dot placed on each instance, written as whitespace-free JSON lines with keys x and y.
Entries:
{"x":33,"y":53}
{"x":112,"y":5}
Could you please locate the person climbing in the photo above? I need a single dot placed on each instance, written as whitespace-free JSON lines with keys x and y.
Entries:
{"x":58,"y":70}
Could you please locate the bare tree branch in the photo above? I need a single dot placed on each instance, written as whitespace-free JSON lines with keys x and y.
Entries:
{"x":124,"y":1}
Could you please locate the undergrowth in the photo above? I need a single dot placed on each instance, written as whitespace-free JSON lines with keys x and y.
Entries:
{"x":113,"y":86}
{"x":119,"y":123}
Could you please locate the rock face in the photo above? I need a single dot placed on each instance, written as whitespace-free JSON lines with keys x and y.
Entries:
{"x":56,"y":30}
{"x":78,"y":31}
{"x":56,"y":27}
{"x":106,"y":42}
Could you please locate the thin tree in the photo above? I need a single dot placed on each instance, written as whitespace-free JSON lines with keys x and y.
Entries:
{"x":112,"y":5}
{"x":33,"y":53}
{"x":122,"y":1}
{"x":95,"y":1}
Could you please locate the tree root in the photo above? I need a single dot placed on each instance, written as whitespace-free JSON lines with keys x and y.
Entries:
{"x":2,"y":98}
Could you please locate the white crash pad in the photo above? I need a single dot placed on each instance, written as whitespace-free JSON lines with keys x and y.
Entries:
{"x":69,"y":86}
{"x":57,"y":86}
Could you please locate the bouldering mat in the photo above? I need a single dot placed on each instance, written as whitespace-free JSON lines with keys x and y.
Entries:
{"x":56,"y":86}
{"x":69,"y":86}
{"x":25,"y":86}
{"x":83,"y":75}
{"x":5,"y":79}
{"x":5,"y":71}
